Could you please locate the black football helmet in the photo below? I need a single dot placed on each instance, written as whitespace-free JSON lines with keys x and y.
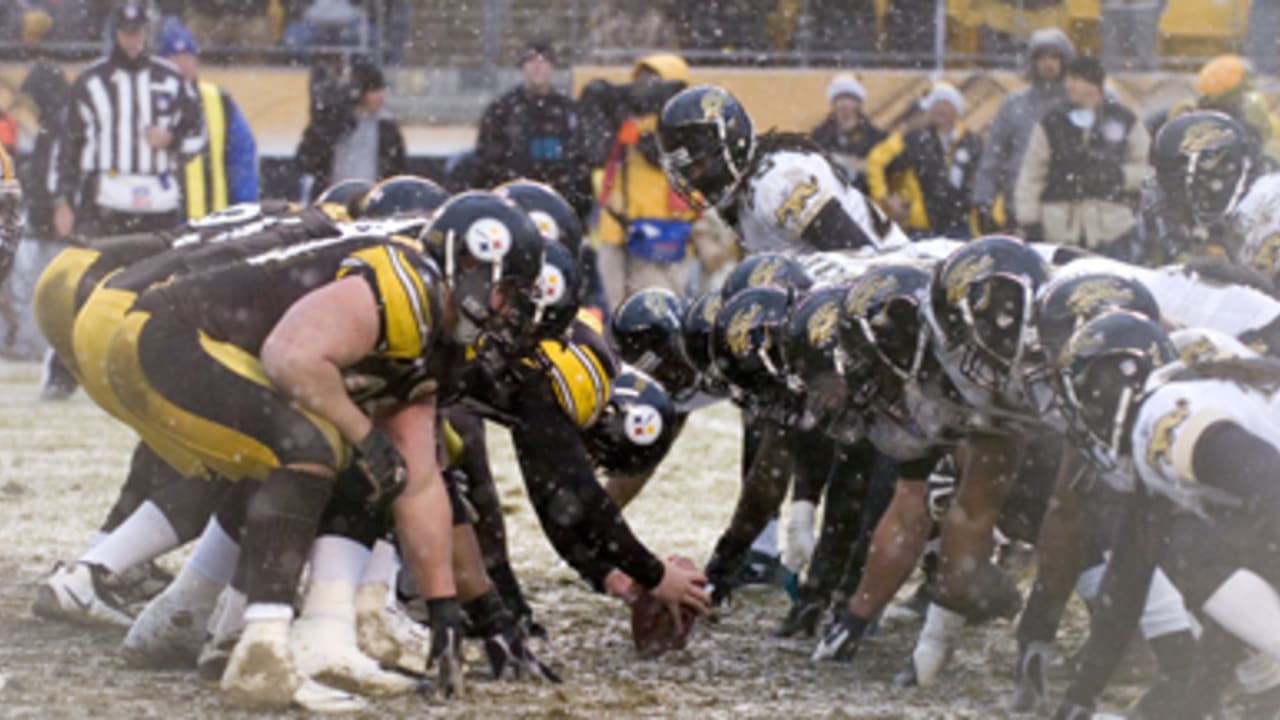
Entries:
{"x":403,"y":196}
{"x":707,"y":144}
{"x":772,"y":269}
{"x":553,"y":215}
{"x":1067,"y":302}
{"x":748,"y":338}
{"x":485,"y":244}
{"x":1204,"y":162}
{"x":637,"y":427}
{"x":557,"y":303}
{"x":697,"y":327}
{"x":881,"y":321}
{"x":345,"y":194}
{"x":646,"y":328}
{"x":981,"y":307}
{"x":815,"y":361}
{"x":1103,"y":370}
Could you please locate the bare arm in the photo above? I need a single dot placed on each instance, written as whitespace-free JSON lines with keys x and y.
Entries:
{"x":899,"y":539}
{"x":306,"y":364}
{"x":424,"y":521}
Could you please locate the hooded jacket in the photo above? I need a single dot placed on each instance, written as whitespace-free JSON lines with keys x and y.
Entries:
{"x":633,"y":185}
{"x":1010,"y":130}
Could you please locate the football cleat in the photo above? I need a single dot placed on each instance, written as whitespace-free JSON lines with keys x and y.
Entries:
{"x":168,"y":632}
{"x":386,"y":633}
{"x":325,"y":650}
{"x":260,"y":672}
{"x":79,"y":593}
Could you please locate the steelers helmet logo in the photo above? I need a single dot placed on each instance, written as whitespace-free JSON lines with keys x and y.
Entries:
{"x":547,"y":226}
{"x":488,"y":240}
{"x":551,"y":285}
{"x":643,"y":424}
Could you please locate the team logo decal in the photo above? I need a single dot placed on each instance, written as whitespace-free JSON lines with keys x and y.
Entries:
{"x":1197,"y":351}
{"x":822,"y":324}
{"x":710,"y":308}
{"x":1161,"y":445}
{"x":965,"y":273}
{"x":653,"y":302}
{"x":793,"y":208}
{"x":551,"y":285}
{"x":488,"y":240}
{"x":1092,"y":294}
{"x":1268,"y":256}
{"x":1202,"y":136}
{"x":765,"y":272}
{"x":861,"y":295}
{"x":643,"y":424}
{"x":546,"y":225}
{"x":739,"y":335}
{"x":712,"y":103}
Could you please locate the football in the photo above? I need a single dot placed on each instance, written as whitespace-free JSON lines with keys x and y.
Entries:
{"x":653,"y":630}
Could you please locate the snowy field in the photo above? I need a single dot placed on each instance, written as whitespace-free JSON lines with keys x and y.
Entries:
{"x":61,"y":464}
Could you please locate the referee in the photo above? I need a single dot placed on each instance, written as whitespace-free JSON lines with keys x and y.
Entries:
{"x":132,"y":123}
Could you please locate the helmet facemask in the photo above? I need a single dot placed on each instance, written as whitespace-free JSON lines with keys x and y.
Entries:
{"x":1216,"y":181}
{"x":998,"y":314}
{"x":706,"y":177}
{"x":1100,"y":394}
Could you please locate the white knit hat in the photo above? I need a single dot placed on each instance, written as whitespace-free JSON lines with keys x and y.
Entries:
{"x":845,"y":84}
{"x":943,"y":92}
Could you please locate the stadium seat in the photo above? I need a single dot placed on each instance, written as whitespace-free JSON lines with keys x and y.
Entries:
{"x":1202,"y":28}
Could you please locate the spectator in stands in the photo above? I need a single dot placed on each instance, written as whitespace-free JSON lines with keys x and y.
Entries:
{"x":1083,"y":168}
{"x":325,"y":23}
{"x":1005,"y":25}
{"x":923,"y":178}
{"x":724,"y":26}
{"x":533,"y":131}
{"x":847,"y":133}
{"x":909,"y":32}
{"x":61,"y":21}
{"x":360,"y":142}
{"x":226,"y":172}
{"x":843,"y":28}
{"x":47,"y":86}
{"x":1129,"y":30}
{"x":1260,"y":42}
{"x":229,"y":23}
{"x":644,"y":225}
{"x":1048,"y":53}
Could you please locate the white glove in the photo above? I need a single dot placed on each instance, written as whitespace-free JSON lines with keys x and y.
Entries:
{"x":800,"y":536}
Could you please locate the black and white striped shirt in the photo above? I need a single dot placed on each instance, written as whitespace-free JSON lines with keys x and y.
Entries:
{"x":112,"y":103}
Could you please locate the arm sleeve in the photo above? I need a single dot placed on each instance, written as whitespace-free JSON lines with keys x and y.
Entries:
{"x":1135,"y":157}
{"x":1120,"y":601}
{"x":1230,"y":457}
{"x":989,"y":178}
{"x":242,"y":156}
{"x":878,"y":162}
{"x":581,"y":521}
{"x":762,"y":492}
{"x":1032,"y":177}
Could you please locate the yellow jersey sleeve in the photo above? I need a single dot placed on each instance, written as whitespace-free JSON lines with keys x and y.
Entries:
{"x":400,"y":286}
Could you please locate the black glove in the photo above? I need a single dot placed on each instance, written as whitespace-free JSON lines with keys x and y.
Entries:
{"x":1032,"y":691}
{"x":382,"y":466}
{"x":1073,"y":711}
{"x":445,"y":617}
{"x":841,"y":640}
{"x":509,"y":654}
{"x":1033,"y":232}
{"x":802,"y":618}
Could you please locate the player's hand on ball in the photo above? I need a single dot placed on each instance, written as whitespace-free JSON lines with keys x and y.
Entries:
{"x":682,"y":587}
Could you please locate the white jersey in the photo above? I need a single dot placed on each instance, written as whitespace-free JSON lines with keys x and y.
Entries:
{"x":842,"y":266}
{"x":1257,"y":220}
{"x":1173,"y":417}
{"x":1186,"y":298}
{"x":784,"y":196}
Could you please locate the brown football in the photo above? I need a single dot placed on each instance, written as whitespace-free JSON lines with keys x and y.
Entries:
{"x":652,"y":629}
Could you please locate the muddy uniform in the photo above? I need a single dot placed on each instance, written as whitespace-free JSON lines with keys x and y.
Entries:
{"x":1204,"y":446}
{"x":184,"y":360}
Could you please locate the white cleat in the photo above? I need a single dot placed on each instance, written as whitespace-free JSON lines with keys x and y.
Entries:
{"x":325,"y":650}
{"x":77,"y":593}
{"x":260,"y":672}
{"x":386,"y":633}
{"x":168,"y":632}
{"x":934,"y":647}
